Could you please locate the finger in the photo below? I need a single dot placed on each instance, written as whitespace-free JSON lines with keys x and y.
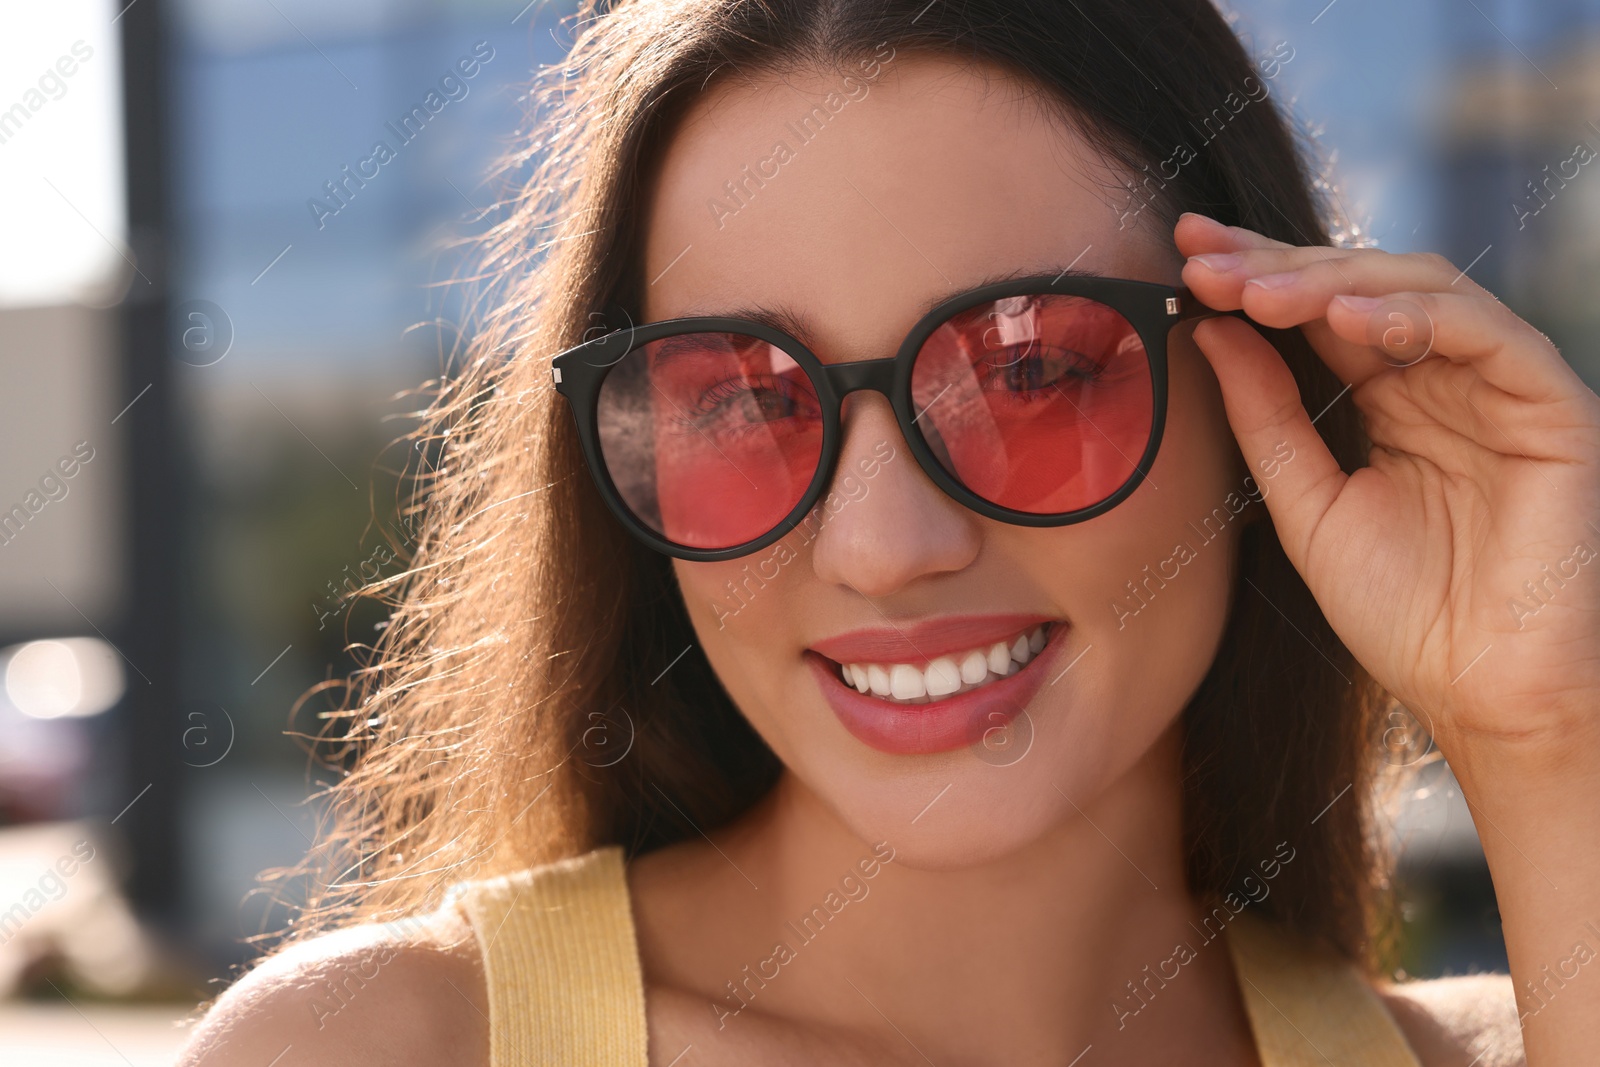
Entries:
{"x":1284,"y":289}
{"x":1223,"y":289}
{"x":1505,"y":351}
{"x":1295,"y":296}
{"x":1224,"y":274}
{"x":1222,"y":279}
{"x":1196,"y":234}
{"x":1264,"y":410}
{"x":1402,"y":334}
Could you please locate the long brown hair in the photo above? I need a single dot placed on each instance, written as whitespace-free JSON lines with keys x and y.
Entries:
{"x":515,"y":710}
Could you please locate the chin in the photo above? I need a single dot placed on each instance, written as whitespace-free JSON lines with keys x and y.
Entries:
{"x":984,"y":835}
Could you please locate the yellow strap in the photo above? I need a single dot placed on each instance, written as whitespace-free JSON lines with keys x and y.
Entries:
{"x":1307,"y":1009}
{"x":561,"y":963}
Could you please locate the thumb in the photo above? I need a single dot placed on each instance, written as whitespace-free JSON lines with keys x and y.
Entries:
{"x":1274,"y":432}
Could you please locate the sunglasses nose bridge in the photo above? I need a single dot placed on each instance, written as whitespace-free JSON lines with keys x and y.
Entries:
{"x":874,"y":374}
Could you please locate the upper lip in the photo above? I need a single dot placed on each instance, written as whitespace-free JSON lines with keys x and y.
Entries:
{"x":920,"y":642}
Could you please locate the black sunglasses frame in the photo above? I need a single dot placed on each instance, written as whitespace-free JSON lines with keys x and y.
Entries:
{"x":1151,"y":308}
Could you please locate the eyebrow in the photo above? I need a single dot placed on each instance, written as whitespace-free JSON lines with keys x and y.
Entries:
{"x":784,"y":318}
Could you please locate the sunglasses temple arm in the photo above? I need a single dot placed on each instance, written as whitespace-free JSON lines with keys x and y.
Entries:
{"x":1190,"y":307}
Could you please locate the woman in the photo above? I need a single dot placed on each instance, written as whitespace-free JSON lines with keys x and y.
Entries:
{"x":1016,"y":699}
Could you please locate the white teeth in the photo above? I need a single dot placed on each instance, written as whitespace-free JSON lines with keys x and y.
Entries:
{"x":1019,"y":650}
{"x":942,"y":677}
{"x":877,"y":680}
{"x":948,"y":674}
{"x":906,"y":682}
{"x":858,"y":677}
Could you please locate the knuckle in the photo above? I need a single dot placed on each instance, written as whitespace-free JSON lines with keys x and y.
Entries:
{"x":1283,"y":414}
{"x":1329,"y":263}
{"x":1433,"y":262}
{"x":1428,"y":303}
{"x":1491,"y":315}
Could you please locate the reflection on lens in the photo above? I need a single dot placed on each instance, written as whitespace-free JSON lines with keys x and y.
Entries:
{"x":1041,"y":403}
{"x":710,"y":438}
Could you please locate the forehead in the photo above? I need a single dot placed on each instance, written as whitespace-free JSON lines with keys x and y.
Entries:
{"x":854,"y":198}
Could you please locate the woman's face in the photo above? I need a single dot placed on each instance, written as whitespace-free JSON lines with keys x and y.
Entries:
{"x":928,"y":179}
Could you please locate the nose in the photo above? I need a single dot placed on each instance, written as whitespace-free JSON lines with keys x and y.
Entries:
{"x":885,"y":523}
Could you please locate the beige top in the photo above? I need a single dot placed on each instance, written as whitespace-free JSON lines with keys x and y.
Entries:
{"x":566,"y":988}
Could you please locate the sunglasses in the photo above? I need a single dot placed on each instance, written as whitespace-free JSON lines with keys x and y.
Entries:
{"x":1035,"y":401}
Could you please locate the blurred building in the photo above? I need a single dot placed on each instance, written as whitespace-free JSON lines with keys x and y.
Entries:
{"x":1519,"y":165}
{"x":213,"y":284}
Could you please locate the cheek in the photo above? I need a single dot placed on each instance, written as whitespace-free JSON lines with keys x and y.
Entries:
{"x":741,"y":610}
{"x":729,"y":602}
{"x":1177,"y":539}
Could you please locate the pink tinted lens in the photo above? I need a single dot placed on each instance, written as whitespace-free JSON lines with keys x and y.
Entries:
{"x":710,"y":438}
{"x":1042,"y":403}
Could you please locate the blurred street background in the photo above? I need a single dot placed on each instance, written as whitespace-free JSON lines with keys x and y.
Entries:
{"x":205,"y":328}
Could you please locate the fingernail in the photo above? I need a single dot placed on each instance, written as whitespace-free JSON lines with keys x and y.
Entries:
{"x":1275,"y":281}
{"x":1202,"y":218}
{"x":1359,"y":303}
{"x":1219,"y":262}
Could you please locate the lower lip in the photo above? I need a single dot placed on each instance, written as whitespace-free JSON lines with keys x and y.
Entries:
{"x":937,"y":726}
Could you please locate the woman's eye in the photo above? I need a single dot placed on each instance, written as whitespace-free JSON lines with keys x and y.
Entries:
{"x":764,"y":406}
{"x":736,"y":403}
{"x":1027,"y":370}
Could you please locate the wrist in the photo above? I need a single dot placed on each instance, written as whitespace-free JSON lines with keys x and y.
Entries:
{"x":1529,"y":764}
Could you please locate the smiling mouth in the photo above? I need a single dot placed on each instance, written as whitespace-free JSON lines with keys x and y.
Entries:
{"x":948,"y":675}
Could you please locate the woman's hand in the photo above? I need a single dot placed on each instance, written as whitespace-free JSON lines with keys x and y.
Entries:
{"x":1462,"y":565}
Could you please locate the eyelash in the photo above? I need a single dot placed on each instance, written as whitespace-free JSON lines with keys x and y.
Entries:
{"x":1081,"y":367}
{"x":716,"y":397}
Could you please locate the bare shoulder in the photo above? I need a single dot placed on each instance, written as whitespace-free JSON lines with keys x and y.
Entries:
{"x":1454,"y":1022}
{"x":398,"y":993}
